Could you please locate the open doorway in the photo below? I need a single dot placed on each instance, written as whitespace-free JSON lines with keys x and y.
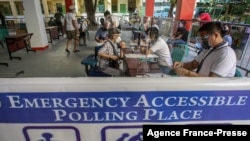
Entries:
{"x":131,"y":6}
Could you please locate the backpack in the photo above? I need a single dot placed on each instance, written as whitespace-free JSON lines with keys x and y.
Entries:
{"x":82,"y":34}
{"x":80,"y":29}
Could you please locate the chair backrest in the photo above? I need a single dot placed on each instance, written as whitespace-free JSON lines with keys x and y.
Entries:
{"x":183,"y":46}
{"x":96,"y":51}
{"x":3,"y":33}
{"x":91,"y":59}
{"x":237,"y":73}
{"x":177,"y":54}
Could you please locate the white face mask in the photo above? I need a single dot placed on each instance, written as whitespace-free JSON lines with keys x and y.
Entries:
{"x":226,"y":28}
{"x":118,"y":39}
{"x":148,"y":39}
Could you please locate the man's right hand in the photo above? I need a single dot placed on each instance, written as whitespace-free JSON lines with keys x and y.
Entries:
{"x":177,"y":65}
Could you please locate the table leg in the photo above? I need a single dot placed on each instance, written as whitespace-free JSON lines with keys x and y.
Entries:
{"x":1,"y":44}
{"x":5,"y":64}
{"x":28,"y":46}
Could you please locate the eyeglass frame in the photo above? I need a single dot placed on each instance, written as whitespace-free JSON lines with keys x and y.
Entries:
{"x":204,"y":38}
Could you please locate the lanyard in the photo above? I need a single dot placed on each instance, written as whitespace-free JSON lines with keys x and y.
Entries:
{"x":201,"y":63}
{"x":203,"y":59}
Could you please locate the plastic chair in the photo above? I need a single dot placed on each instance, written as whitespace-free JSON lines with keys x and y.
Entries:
{"x":3,"y":33}
{"x":182,"y":46}
{"x":177,"y":54}
{"x":237,"y":73}
{"x":90,"y":63}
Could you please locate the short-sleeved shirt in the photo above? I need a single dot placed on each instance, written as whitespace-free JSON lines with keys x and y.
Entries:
{"x":101,"y":33}
{"x":221,"y":61}
{"x":106,"y":49}
{"x":228,"y":39}
{"x":58,"y":16}
{"x":115,"y":20}
{"x":160,"y":48}
{"x":69,"y":17}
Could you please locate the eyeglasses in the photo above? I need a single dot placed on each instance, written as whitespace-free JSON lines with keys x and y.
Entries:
{"x":204,"y":38}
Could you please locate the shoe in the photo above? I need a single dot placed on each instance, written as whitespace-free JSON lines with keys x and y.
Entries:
{"x":67,"y":50}
{"x":76,"y":50}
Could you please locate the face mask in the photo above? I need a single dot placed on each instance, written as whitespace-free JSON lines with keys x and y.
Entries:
{"x":148,"y":39}
{"x":226,"y":28}
{"x":206,"y":44}
{"x":118,"y":39}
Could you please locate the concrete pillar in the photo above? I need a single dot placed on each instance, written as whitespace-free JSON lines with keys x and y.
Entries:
{"x":45,"y":8}
{"x":35,"y":24}
{"x":81,"y":7}
{"x":139,"y":6}
{"x":108,"y":5}
{"x":184,"y":11}
{"x":68,"y":3}
{"x":13,"y":8}
{"x":150,"y":8}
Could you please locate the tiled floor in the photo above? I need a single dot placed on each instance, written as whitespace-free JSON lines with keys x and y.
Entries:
{"x":54,"y":61}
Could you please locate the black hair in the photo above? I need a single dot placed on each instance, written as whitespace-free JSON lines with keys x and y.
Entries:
{"x":227,"y":31}
{"x":211,"y":27}
{"x":152,"y":31}
{"x":102,"y":21}
{"x":201,"y":12}
{"x":112,"y":31}
{"x":106,"y":13}
{"x":182,"y":30}
{"x":79,"y":20}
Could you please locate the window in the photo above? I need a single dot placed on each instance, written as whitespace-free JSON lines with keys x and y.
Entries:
{"x":114,"y":6}
{"x":19,"y":7}
{"x":6,"y":9}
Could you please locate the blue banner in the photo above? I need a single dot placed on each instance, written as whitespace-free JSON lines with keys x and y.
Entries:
{"x":119,"y":107}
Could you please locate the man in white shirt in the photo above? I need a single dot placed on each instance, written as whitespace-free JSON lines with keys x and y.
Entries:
{"x":218,"y":61}
{"x":112,"y":19}
{"x":71,"y":27}
{"x":160,"y":48}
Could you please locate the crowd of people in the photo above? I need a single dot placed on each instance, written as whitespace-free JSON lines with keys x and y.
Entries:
{"x":217,"y":59}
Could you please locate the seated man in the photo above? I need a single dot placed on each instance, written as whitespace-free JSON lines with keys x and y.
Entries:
{"x":180,"y":37}
{"x":217,"y":61}
{"x":160,"y":48}
{"x":101,"y":33}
